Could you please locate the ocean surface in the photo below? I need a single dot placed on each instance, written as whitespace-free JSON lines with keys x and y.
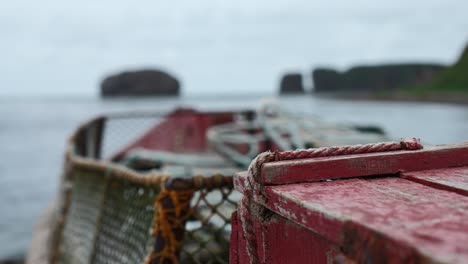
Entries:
{"x":33,"y":132}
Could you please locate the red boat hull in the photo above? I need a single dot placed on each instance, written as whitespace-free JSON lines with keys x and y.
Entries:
{"x":183,"y":130}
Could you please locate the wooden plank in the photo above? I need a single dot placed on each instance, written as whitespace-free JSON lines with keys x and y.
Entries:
{"x":319,"y":169}
{"x":422,"y":221}
{"x":283,"y":241}
{"x":234,"y":247}
{"x":280,"y":240}
{"x":454,"y":179}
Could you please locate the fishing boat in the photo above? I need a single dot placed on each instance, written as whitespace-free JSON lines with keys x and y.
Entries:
{"x":393,"y":202}
{"x":152,"y":188}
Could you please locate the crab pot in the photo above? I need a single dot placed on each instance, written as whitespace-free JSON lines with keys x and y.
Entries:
{"x":389,"y":207}
{"x":114,"y":211}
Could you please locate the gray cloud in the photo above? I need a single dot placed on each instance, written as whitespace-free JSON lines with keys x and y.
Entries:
{"x":66,"y":47}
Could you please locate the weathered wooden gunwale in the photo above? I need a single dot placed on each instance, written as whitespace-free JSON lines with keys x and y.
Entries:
{"x":391,"y":207}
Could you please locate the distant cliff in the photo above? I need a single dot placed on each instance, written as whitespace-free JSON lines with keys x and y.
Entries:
{"x":140,"y":83}
{"x":374,"y":78}
{"x":291,"y":83}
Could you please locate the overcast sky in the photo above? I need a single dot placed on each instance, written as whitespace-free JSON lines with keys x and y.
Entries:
{"x":56,"y":47}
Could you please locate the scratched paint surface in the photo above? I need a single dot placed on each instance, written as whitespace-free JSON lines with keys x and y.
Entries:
{"x":434,"y":221}
{"x":317,"y":169}
{"x":453,"y":179}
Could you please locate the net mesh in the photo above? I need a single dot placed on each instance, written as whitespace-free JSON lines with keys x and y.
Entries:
{"x":127,"y":214}
{"x":122,"y":130}
{"x":115,"y":216}
{"x":78,"y":235}
{"x":193,"y":227}
{"x":109,"y":221}
{"x":208,"y":228}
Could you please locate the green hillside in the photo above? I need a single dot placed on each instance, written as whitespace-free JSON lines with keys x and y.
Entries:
{"x":453,"y":80}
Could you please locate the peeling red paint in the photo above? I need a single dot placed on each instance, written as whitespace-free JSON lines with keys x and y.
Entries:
{"x":453,"y":179}
{"x":417,"y":216}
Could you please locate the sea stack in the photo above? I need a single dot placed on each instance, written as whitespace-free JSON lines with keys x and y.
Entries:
{"x":140,"y":83}
{"x":291,"y":83}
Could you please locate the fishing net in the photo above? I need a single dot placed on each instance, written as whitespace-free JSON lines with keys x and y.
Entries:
{"x":107,"y":221}
{"x":111,"y":213}
{"x":208,"y":229}
{"x":194,"y":226}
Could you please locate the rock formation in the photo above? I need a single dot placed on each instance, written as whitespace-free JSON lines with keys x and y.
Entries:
{"x":291,"y":83}
{"x":140,"y":83}
{"x":375,"y":78}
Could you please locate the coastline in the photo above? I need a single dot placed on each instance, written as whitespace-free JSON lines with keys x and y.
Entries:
{"x":445,"y":98}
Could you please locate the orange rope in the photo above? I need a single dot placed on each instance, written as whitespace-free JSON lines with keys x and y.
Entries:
{"x":172,"y":209}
